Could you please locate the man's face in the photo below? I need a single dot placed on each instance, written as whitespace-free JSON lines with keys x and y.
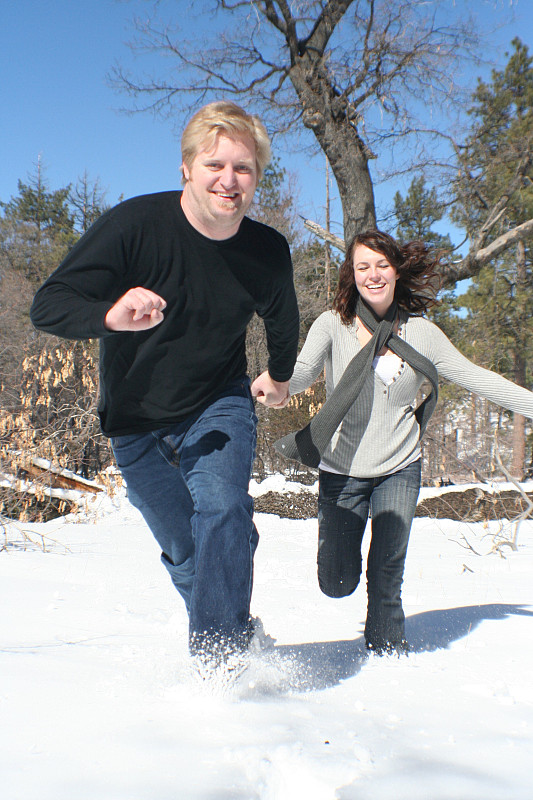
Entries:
{"x":220,"y":187}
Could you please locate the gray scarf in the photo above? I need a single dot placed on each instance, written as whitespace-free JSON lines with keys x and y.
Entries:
{"x":308,"y":444}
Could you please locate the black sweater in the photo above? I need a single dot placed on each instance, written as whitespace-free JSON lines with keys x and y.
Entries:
{"x":151,"y":379}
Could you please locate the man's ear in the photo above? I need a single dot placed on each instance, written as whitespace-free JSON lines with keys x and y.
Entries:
{"x":185,"y":171}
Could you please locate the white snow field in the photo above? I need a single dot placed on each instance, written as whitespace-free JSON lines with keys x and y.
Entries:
{"x":98,"y":700}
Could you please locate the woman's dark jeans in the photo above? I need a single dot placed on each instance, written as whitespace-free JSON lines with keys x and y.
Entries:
{"x":344,"y":506}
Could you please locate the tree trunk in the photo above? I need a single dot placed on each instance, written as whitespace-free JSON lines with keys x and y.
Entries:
{"x":348,"y":159}
{"x":519,"y":447}
{"x":519,"y":422}
{"x":327,"y":115}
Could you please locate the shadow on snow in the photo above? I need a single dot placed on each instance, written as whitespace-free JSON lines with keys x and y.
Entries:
{"x":320,"y":665}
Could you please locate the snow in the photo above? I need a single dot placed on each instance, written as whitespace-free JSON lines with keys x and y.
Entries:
{"x":98,"y":700}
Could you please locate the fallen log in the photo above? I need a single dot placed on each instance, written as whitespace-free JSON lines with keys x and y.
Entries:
{"x":56,"y":477}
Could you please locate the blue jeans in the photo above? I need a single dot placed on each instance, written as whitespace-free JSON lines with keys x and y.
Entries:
{"x":344,"y":505}
{"x":190,"y":483}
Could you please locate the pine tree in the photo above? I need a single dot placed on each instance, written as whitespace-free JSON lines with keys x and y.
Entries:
{"x":500,"y":312}
{"x":418,"y":212}
{"x":48,"y":211}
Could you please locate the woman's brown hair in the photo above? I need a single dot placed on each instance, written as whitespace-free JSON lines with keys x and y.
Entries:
{"x":415,"y":263}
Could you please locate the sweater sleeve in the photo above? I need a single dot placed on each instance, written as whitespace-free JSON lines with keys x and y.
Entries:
{"x":454,"y":366}
{"x":313,"y":356}
{"x":75,"y":299}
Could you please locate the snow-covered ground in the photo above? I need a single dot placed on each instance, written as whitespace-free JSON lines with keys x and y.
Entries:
{"x":98,"y":701}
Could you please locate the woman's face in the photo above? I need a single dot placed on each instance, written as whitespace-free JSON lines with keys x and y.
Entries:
{"x":375,"y":278}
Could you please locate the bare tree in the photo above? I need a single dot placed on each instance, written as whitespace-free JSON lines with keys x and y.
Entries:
{"x":87,"y":199}
{"x":486,"y":243}
{"x":354,"y":73}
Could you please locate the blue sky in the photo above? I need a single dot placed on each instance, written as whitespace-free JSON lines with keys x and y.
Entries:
{"x":56,"y":104}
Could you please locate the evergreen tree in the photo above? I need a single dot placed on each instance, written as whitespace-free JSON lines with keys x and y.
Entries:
{"x":501,"y":138}
{"x":498,"y":155}
{"x":48,"y":211}
{"x":418,"y":212}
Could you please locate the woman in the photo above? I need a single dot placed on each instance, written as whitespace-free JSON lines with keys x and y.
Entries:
{"x":367,"y":444}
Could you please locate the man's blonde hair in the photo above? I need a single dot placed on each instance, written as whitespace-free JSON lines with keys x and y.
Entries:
{"x":223,"y":118}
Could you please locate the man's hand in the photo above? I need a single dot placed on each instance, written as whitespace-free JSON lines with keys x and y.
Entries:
{"x":137,"y":310}
{"x":270,"y":392}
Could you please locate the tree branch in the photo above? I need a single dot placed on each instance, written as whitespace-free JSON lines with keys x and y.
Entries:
{"x":324,"y":26}
{"x":459,"y":270}
{"x":325,"y":235}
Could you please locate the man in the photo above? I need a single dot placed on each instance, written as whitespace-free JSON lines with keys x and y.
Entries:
{"x":169,"y":282}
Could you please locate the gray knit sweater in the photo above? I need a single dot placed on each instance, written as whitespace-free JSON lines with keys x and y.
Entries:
{"x":389,"y":438}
